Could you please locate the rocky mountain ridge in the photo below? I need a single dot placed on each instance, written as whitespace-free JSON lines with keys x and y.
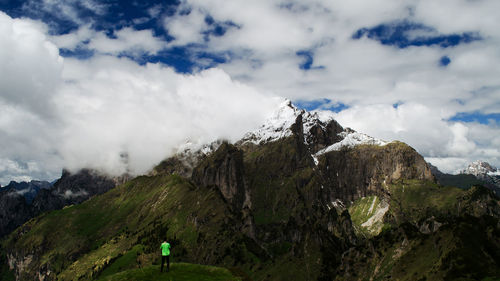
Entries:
{"x":477,"y":173}
{"x":71,"y":188}
{"x":27,"y":189}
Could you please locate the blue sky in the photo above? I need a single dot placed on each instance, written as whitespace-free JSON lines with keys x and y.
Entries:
{"x":407,"y":70}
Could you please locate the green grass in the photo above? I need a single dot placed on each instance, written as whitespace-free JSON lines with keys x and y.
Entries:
{"x":178,"y":272}
{"x":413,"y":200}
{"x":102,"y":234}
{"x":361,"y":211}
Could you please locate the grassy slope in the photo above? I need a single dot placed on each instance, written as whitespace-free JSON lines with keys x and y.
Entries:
{"x":132,"y":217}
{"x":178,"y":272}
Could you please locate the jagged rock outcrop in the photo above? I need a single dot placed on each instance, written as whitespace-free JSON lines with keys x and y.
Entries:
{"x":28,"y":189}
{"x":351,"y":173}
{"x":322,"y":135}
{"x":223,"y":170}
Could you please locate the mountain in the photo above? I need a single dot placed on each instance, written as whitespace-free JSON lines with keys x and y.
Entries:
{"x":480,"y":168}
{"x":15,"y":201}
{"x":477,"y":173}
{"x":486,"y":173}
{"x":20,"y":202}
{"x":300,"y":198}
{"x":28,"y":189}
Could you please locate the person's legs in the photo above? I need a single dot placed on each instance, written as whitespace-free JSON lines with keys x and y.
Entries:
{"x":162,"y":262}
{"x":168,"y":263}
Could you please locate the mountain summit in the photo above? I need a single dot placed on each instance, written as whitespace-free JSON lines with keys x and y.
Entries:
{"x":480,"y":168}
{"x":280,"y":126}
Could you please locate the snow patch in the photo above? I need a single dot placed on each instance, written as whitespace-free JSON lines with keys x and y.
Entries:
{"x":479,"y":167}
{"x":276,"y":127}
{"x":373,"y":205}
{"x":497,"y":173}
{"x":351,"y":139}
{"x":316,"y":161}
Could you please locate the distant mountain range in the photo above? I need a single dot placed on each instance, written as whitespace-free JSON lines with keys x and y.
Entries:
{"x":300,"y":198}
{"x":20,"y":202}
{"x":476,"y":173}
{"x":27,"y":189}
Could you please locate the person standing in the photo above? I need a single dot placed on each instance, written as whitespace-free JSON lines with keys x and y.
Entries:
{"x":165,"y":254}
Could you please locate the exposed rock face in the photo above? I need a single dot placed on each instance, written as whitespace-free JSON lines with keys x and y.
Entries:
{"x":364,"y":170}
{"x":321,"y":135}
{"x":224,"y":170}
{"x":14,"y":211}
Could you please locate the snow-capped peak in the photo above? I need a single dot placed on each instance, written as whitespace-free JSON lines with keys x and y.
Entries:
{"x":278,"y":126}
{"x":479,"y":167}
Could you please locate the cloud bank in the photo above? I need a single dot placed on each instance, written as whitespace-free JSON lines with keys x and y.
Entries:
{"x":74,"y":114}
{"x":80,"y":90}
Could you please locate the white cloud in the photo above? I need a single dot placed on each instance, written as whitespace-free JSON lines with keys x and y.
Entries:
{"x":72,"y":40}
{"x":106,"y":106}
{"x":69,"y":10}
{"x":115,"y":106}
{"x":447,"y":145}
{"x":29,"y":65}
{"x":127,"y":40}
{"x":186,"y":28}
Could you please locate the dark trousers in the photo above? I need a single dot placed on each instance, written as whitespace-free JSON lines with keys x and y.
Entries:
{"x":163,"y":259}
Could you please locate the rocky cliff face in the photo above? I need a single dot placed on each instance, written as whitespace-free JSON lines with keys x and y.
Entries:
{"x":365,"y":170}
{"x":223,"y":170}
{"x":14,"y":211}
{"x":294,"y":188}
